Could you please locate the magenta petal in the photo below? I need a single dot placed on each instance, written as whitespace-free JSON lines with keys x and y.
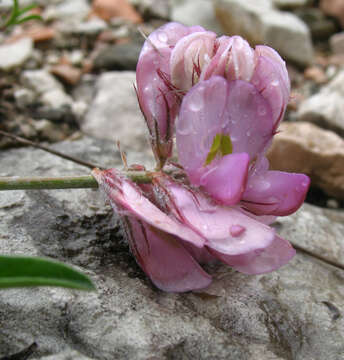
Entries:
{"x":277,"y":254}
{"x":125,"y":194}
{"x":275,"y":193}
{"x":219,"y":224}
{"x":225,"y":181}
{"x":269,"y":79}
{"x":162,"y":257}
{"x":214,"y":107}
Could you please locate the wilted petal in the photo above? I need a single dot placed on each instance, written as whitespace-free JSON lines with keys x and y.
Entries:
{"x":124,"y":193}
{"x":189,"y":56}
{"x":226,"y":229}
{"x":275,"y":193}
{"x":225,"y":181}
{"x":277,"y":254}
{"x":164,"y":259}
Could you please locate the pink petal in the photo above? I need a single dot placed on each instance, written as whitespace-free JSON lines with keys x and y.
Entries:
{"x":242,"y":60}
{"x":189,"y":56}
{"x":162,"y":257}
{"x":219,"y":62}
{"x":214,"y":107}
{"x":215,"y":222}
{"x":275,"y":193}
{"x":125,"y":194}
{"x":273,"y":84}
{"x":158,"y":102}
{"x":277,"y":254}
{"x":225,"y":181}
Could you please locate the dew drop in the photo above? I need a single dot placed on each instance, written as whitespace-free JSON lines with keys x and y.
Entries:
{"x":261,"y":110}
{"x":204,"y":178}
{"x":196,"y":104}
{"x":275,"y":83}
{"x":185,"y":127}
{"x":261,"y":185}
{"x":248,"y":133}
{"x":162,"y":36}
{"x":236,"y":230}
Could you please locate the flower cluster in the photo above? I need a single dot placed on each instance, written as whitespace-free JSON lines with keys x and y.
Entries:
{"x":223,"y":101}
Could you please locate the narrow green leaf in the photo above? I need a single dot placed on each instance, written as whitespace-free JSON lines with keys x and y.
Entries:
{"x":27,"y":18}
{"x":26,"y":9}
{"x":221,"y":145}
{"x":19,"y":271}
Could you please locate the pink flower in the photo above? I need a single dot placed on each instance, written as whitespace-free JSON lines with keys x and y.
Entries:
{"x":226,"y":101}
{"x":175,"y":57}
{"x":171,"y":228}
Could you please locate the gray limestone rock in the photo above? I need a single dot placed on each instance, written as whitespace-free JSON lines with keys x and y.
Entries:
{"x":326,"y":108}
{"x":293,"y":313}
{"x":195,"y":12}
{"x":114,"y":112}
{"x":15,"y":54}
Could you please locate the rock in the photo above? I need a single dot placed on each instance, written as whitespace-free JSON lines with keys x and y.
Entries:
{"x":24,"y":97}
{"x":326,"y":108}
{"x":40,"y":81}
{"x":118,"y":57}
{"x":334,"y":8}
{"x":291,"y":4}
{"x":114,"y":113}
{"x":159,"y":9}
{"x":47,"y":87}
{"x":316,"y":73}
{"x":260,"y":23}
{"x":15,"y":54}
{"x":66,"y":11}
{"x":107,"y":9}
{"x":195,"y":12}
{"x":337,"y":43}
{"x":294,"y":313}
{"x":320,"y":26}
{"x":69,"y":74}
{"x":91,"y":27}
{"x":316,"y":152}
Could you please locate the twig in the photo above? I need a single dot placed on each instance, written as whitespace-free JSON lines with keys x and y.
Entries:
{"x":49,"y":150}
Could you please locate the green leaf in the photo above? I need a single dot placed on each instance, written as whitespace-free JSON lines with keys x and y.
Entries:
{"x":19,"y":271}
{"x":222,"y":145}
{"x":27,"y":18}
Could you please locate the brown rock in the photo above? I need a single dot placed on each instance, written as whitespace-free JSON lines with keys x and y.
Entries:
{"x":305,"y":148}
{"x":334,"y":8}
{"x":316,"y":73}
{"x":107,"y":9}
{"x":69,"y":74}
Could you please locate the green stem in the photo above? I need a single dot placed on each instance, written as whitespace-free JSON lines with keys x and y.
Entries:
{"x":65,"y":182}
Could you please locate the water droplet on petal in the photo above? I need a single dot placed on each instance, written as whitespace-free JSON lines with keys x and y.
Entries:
{"x":203,"y":181}
{"x":261,"y":110}
{"x":185,"y":127}
{"x":261,"y":185}
{"x":236,"y":230}
{"x":196,"y":105}
{"x":275,"y":83}
{"x":248,"y":133}
{"x":162,"y":36}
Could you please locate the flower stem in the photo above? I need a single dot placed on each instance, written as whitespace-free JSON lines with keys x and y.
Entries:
{"x":65,"y":182}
